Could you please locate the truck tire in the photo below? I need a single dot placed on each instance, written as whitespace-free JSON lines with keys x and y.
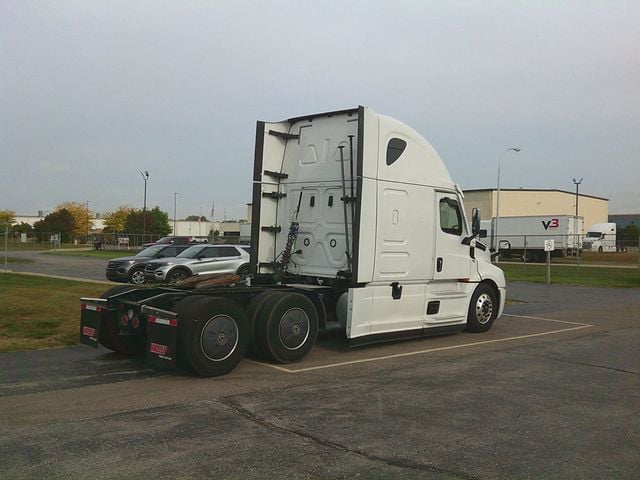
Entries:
{"x":286,"y":327}
{"x":599,"y":249}
{"x":186,"y":310}
{"x":136,"y":276}
{"x":109,"y":338}
{"x":213,"y":335}
{"x":253,"y":311}
{"x":483,"y":309}
{"x":178,"y":275}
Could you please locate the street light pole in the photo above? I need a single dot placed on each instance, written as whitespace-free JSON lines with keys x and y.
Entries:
{"x":87,"y":221}
{"x":497,"y":241}
{"x":145,"y":177}
{"x":175,"y":197}
{"x":577,"y":184}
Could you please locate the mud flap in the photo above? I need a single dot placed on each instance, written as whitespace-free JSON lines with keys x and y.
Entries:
{"x":162,"y":337}
{"x":90,"y":320}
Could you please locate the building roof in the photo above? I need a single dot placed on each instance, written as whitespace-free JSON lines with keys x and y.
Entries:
{"x":532,"y":190}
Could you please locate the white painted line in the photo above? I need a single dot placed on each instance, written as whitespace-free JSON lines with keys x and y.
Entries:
{"x":579,"y":326}
{"x":545,"y":319}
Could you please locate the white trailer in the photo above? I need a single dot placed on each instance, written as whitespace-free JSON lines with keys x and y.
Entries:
{"x":524,"y":236}
{"x":356,"y":224}
{"x":601,"y":237}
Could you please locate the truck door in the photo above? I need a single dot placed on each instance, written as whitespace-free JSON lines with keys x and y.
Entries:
{"x":453,"y":263}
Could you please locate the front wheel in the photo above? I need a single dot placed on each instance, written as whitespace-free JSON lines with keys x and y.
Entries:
{"x":177,"y":275}
{"x":483,"y":309}
{"x":136,"y":276}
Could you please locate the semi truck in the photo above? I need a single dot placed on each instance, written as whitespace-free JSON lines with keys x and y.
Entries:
{"x":524,"y":236}
{"x":356,"y":225}
{"x":601,"y":237}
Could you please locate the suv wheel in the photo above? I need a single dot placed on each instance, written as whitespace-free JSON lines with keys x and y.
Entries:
{"x":137,"y":276}
{"x":178,"y":275}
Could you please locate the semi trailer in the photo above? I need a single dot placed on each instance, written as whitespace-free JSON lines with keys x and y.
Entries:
{"x":524,"y":236}
{"x":356,"y":225}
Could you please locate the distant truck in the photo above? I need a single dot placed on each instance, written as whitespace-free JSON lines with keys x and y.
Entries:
{"x":524,"y":236}
{"x":601,"y":237}
{"x":357,"y":225}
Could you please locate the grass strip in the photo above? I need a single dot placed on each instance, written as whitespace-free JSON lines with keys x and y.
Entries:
{"x":40,"y":312}
{"x":566,"y":275}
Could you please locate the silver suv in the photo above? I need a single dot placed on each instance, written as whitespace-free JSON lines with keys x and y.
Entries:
{"x":200,"y":259}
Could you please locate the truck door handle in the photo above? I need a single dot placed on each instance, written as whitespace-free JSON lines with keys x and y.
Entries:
{"x":439,"y":264}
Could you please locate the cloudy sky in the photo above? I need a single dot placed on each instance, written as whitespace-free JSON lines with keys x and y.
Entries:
{"x":93,"y":92}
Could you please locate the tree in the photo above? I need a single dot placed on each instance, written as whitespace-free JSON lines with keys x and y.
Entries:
{"x":157,"y":222}
{"x":61,"y":221}
{"x":116,"y":221}
{"x":196,"y":218}
{"x":7,"y":218}
{"x":81,"y":217}
{"x":16,"y":230}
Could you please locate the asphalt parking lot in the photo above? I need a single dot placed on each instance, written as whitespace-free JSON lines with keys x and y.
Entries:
{"x":551,"y":391}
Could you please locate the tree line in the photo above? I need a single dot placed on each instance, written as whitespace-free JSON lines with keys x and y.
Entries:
{"x":73,"y":221}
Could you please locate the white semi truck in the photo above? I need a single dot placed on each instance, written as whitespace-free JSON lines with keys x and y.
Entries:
{"x":356,"y":224}
{"x":601,"y":237}
{"x":524,"y":236}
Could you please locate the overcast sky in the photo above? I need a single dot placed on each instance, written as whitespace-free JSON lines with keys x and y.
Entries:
{"x":92,"y":92}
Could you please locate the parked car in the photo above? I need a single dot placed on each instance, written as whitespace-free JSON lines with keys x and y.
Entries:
{"x":131,"y":269}
{"x":200,"y":259}
{"x":177,"y":240}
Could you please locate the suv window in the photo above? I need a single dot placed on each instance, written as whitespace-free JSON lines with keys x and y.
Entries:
{"x":168,"y":252}
{"x":227,"y":251}
{"x":450,"y":217}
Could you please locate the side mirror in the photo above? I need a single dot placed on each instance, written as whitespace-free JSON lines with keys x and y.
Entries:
{"x":475,"y":221}
{"x":475,"y":227}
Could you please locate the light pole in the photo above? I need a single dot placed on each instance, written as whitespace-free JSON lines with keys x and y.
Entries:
{"x":175,"y":197}
{"x":145,"y":177}
{"x":577,"y":184}
{"x":497,"y":244}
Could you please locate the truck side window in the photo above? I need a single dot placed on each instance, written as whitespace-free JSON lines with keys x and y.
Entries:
{"x":450,"y":217}
{"x":395,"y":147}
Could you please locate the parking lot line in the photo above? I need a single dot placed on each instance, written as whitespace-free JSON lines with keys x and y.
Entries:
{"x":578,"y":326}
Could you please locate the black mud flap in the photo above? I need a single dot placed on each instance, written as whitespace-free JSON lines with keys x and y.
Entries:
{"x":90,"y":320}
{"x":162,"y":337}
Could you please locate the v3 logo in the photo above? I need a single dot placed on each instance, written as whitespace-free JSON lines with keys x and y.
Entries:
{"x":553,"y":223}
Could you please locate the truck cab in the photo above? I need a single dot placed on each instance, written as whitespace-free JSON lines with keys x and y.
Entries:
{"x":370,"y":206}
{"x":601,"y":237}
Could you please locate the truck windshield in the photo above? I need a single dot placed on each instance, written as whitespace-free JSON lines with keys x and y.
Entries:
{"x":594,"y":234}
{"x":191,"y":252}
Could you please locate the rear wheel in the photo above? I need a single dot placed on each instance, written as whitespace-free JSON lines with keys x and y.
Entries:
{"x":286,"y":327}
{"x":483,"y":309}
{"x":253,"y":311}
{"x":136,"y":276}
{"x":109,"y":338}
{"x":243,"y":271}
{"x":213,"y":335}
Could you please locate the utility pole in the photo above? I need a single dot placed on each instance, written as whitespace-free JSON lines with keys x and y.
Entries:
{"x":577,"y":246}
{"x":145,"y":177}
{"x":175,"y":196}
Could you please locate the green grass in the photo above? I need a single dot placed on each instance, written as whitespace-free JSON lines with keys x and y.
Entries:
{"x":15,"y":260}
{"x":40,"y":312}
{"x":571,"y":275}
{"x":108,"y":254}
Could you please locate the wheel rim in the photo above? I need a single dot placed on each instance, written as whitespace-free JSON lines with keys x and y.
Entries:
{"x":484,"y":308}
{"x":137,"y":277}
{"x":178,"y":277}
{"x":219,"y":338}
{"x":294,"y":328}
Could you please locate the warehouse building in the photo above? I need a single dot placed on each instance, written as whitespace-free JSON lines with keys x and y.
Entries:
{"x":517,"y":202}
